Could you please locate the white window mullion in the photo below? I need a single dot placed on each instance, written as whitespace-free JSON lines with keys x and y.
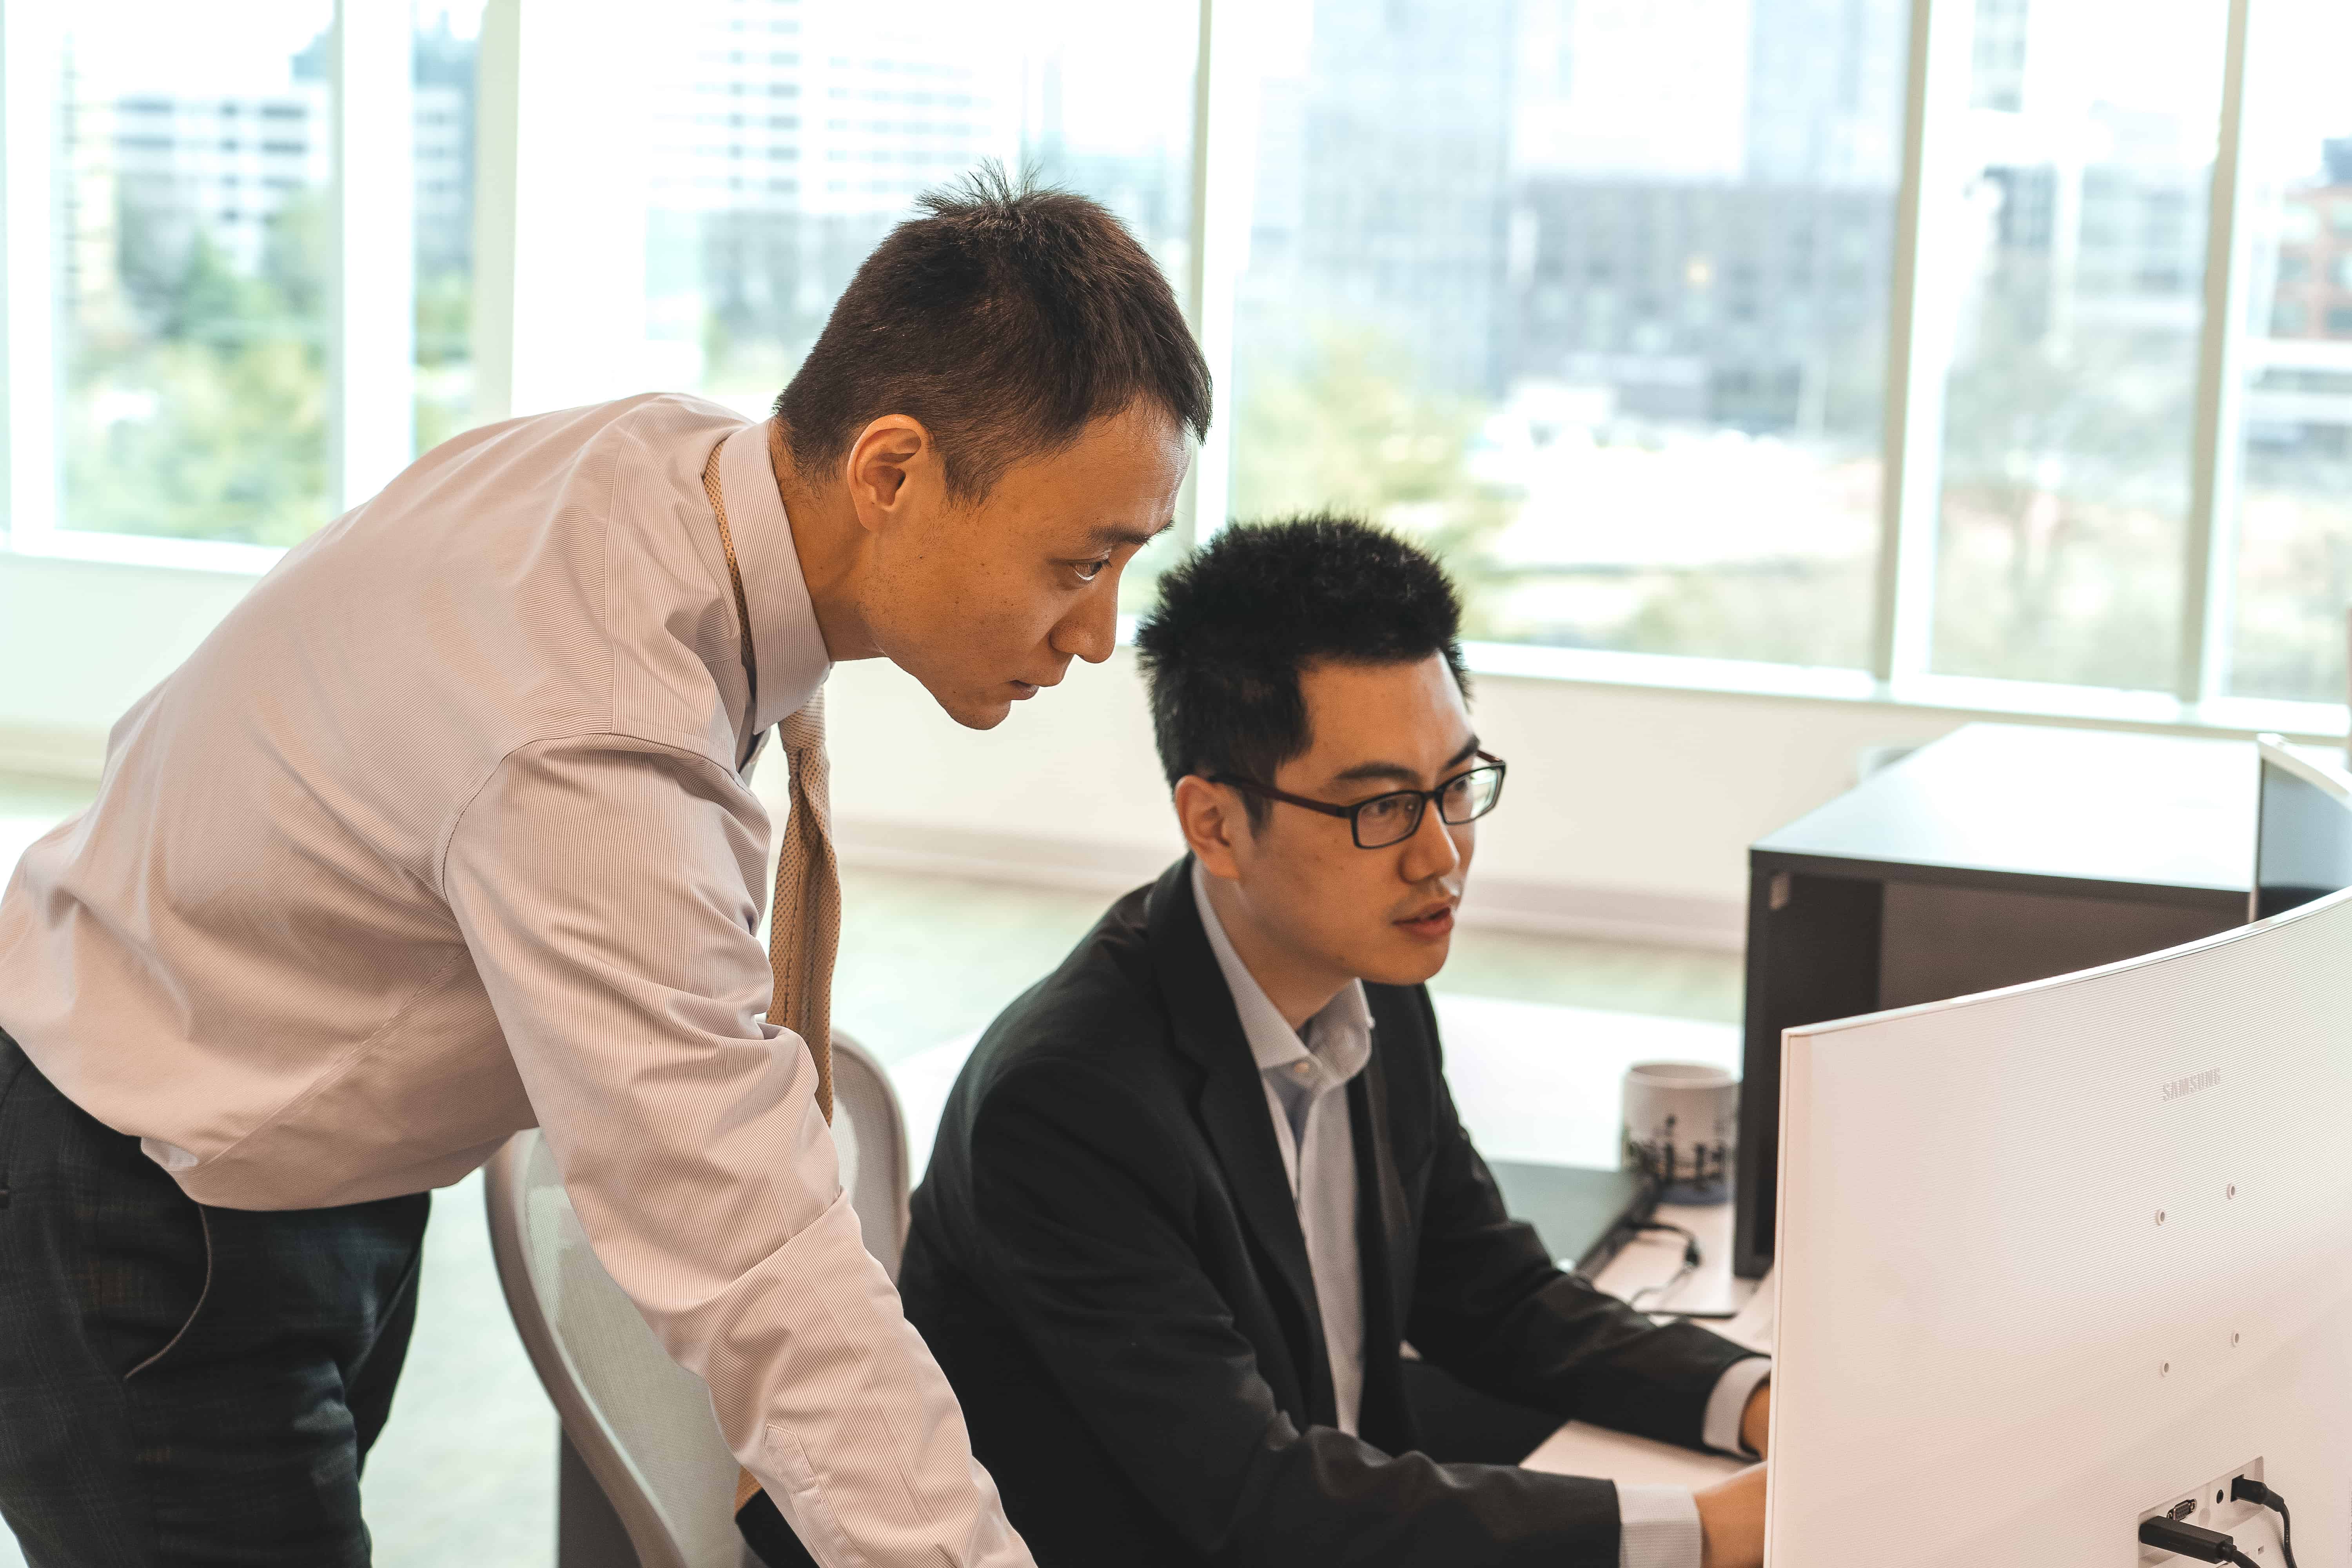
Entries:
{"x":1921,"y":315}
{"x":372,"y":325}
{"x":1196,"y":252}
{"x":1224,"y":186}
{"x":563,"y":159}
{"x":498,"y":87}
{"x":30,"y":372}
{"x":2208,"y":565}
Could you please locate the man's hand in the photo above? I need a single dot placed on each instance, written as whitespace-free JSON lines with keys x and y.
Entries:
{"x":1756,"y":1421}
{"x":1731,"y":1520}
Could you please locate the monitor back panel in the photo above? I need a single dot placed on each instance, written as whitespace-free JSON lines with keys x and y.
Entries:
{"x":2050,"y":1256}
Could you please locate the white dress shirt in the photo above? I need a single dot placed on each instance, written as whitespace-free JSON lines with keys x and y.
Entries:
{"x":439,"y":834}
{"x":1306,"y":1083}
{"x":1658,"y":1526}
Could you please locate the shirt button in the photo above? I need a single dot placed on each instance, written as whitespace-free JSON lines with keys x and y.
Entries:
{"x":1303,"y":1069}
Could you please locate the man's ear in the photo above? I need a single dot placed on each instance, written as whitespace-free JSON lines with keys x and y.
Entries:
{"x":1214,"y":825}
{"x":891,"y":456}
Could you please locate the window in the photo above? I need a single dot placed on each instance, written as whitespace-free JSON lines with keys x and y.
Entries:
{"x":1592,"y":297}
{"x":1599,"y":297}
{"x":199,"y":383}
{"x":742,"y":272}
{"x":447,"y":34}
{"x":2293,"y":514}
{"x":2072,"y":359}
{"x":190,"y":311}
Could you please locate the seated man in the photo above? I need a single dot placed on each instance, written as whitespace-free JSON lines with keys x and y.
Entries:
{"x":1196,"y":1190}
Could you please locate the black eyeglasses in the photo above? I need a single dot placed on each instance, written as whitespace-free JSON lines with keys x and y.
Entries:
{"x":1392,"y":818}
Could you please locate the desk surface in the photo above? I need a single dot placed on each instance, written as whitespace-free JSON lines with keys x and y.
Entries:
{"x":2076,"y":806}
{"x":1577,"y":1449}
{"x":1650,"y":1261}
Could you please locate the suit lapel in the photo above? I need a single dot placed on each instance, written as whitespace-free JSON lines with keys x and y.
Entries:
{"x":1396,"y":1033}
{"x":1233,"y":1111}
{"x":1381,"y":1224}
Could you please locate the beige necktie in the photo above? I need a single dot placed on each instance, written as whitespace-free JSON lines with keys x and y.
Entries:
{"x":805,"y":919}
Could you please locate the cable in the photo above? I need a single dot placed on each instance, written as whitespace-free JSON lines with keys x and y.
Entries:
{"x":2246,"y":1490}
{"x":2193,"y":1541}
{"x":1690,"y":1264}
{"x":1691,"y":1258}
{"x":1690,"y":1239}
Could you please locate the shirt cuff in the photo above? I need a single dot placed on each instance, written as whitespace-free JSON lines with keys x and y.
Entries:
{"x":1728,"y":1406}
{"x":1657,"y":1527}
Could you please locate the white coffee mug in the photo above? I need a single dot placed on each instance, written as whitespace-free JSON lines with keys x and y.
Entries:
{"x":1681,"y":1126}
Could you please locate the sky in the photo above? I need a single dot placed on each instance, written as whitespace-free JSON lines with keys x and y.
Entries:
{"x":142,"y":45}
{"x":148,"y":44}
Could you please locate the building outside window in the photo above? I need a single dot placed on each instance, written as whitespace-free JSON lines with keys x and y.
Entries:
{"x":1591,"y":294}
{"x":193,"y":268}
{"x":191,"y":272}
{"x":790,"y":137}
{"x":2293,"y":519}
{"x":2072,"y":359}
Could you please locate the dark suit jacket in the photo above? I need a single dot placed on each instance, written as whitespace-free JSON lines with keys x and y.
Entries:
{"x":1107,"y":1261}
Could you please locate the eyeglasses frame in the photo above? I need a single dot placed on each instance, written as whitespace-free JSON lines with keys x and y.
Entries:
{"x":1423,"y":800}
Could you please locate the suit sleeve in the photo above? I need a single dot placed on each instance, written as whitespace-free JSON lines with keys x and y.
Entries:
{"x":1490,"y":1306}
{"x":1088,"y":1211}
{"x":602,"y":888}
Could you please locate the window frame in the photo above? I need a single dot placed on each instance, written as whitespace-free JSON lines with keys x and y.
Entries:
{"x":520,"y":345}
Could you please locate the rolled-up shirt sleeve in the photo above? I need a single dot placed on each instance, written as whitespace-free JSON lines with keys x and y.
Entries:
{"x":603,"y":887}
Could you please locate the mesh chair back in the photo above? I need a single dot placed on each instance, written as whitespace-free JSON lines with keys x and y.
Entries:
{"x":641,"y":1423}
{"x":871,"y":1135}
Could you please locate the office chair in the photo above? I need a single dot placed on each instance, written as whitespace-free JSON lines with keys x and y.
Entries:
{"x":642,"y":1465}
{"x":870,"y":1130}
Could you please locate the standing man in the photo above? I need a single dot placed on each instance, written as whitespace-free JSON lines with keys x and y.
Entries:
{"x":446,"y":831}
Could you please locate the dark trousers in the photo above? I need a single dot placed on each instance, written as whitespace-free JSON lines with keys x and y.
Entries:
{"x":179,"y":1384}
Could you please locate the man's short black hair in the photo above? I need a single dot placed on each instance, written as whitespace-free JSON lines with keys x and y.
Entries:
{"x":1004,"y":317}
{"x":1238,"y":622}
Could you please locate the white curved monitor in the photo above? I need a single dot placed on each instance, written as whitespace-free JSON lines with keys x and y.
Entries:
{"x":2053,"y":1257}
